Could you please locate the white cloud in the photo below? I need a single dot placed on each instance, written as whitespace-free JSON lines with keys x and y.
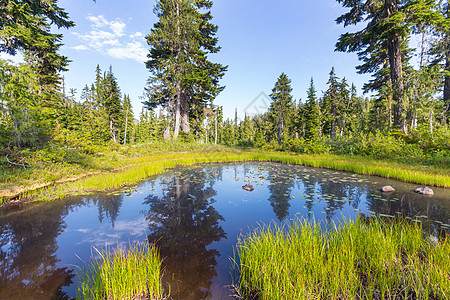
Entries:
{"x":104,"y":235}
{"x":15,"y":59}
{"x":110,"y":38}
{"x":80,"y":48}
{"x":117,"y":26}
{"x":137,"y":35}
{"x":133,"y":50}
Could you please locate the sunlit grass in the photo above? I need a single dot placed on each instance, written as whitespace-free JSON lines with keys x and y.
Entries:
{"x":140,"y":168}
{"x":354,"y":260}
{"x":133,"y":273}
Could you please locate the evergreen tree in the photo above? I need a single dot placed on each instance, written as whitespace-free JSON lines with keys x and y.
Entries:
{"x":282,"y":109}
{"x":311,"y":114}
{"x":440,"y":52}
{"x":143,"y":130}
{"x":343,"y":105}
{"x":388,"y":26}
{"x":300,"y":119}
{"x":112,"y":104}
{"x":355,"y":113}
{"x":22,"y":122}
{"x":229,"y":133}
{"x":98,"y":91}
{"x":34,"y":105}
{"x":25,"y":26}
{"x":380,"y":115}
{"x":331,"y":105}
{"x":246,"y":132}
{"x":260,"y":130}
{"x":182,"y":75}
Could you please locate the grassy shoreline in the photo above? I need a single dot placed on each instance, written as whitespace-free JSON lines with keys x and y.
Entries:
{"x":132,"y":170}
{"x":355,"y":260}
{"x":133,"y":273}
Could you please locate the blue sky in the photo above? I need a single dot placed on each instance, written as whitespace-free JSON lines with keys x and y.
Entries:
{"x":260,"y":39}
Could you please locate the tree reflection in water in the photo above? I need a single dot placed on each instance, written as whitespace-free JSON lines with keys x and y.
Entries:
{"x":280,"y":191}
{"x":183,"y":223}
{"x":28,"y":263}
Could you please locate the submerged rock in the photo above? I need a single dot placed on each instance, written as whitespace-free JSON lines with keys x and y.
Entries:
{"x":425,"y":191}
{"x":248,"y":187}
{"x":387,"y":188}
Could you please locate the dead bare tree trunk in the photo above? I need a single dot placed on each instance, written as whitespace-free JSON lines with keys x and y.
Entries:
{"x":206,"y":130}
{"x":112,"y":130}
{"x":431,"y":122}
{"x":166,"y":135}
{"x":215,"y":129}
{"x":126,"y":125}
{"x":422,"y":50}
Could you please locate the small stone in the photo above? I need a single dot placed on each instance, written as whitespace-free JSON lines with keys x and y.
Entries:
{"x":425,"y":191}
{"x":248,"y":187}
{"x":387,"y":188}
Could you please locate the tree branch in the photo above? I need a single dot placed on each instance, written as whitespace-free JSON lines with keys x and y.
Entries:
{"x":13,"y":163}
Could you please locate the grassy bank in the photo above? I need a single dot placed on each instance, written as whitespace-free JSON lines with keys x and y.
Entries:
{"x":60,"y":164}
{"x":134,"y":273}
{"x":132,"y":168}
{"x":354,"y":261}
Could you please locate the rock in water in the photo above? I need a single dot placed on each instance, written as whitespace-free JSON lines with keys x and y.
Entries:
{"x":248,"y":187}
{"x":387,"y":188}
{"x":425,"y":191}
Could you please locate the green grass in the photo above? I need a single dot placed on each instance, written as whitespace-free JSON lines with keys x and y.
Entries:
{"x":134,"y":273}
{"x":136,"y":167}
{"x":355,"y":260}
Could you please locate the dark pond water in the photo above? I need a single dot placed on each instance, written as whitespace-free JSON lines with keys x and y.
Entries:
{"x":195,"y":215}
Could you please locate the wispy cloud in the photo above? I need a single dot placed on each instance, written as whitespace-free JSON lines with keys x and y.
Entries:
{"x":116,"y":26}
{"x":111,"y":38}
{"x":123,"y":231}
{"x":15,"y":59}
{"x":132,"y":50}
{"x":79,"y":48}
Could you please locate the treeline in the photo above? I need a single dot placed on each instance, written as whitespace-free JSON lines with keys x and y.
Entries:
{"x":340,"y":113}
{"x":35,"y":111}
{"x":410,"y":104}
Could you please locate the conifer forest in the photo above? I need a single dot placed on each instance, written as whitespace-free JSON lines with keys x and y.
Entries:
{"x":402,"y":108}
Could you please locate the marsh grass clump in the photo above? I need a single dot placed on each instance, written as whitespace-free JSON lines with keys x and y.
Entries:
{"x":373,"y":259}
{"x":133,"y":273}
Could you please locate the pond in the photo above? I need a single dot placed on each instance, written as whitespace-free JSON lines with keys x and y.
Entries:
{"x":195,"y":215}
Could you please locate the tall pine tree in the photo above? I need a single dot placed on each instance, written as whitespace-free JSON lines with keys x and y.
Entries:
{"x":331,"y":105}
{"x":311,"y":114}
{"x":111,"y":102}
{"x":182,"y":75}
{"x":282,"y":109}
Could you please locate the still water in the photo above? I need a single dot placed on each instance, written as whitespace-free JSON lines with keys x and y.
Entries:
{"x":195,"y":215}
